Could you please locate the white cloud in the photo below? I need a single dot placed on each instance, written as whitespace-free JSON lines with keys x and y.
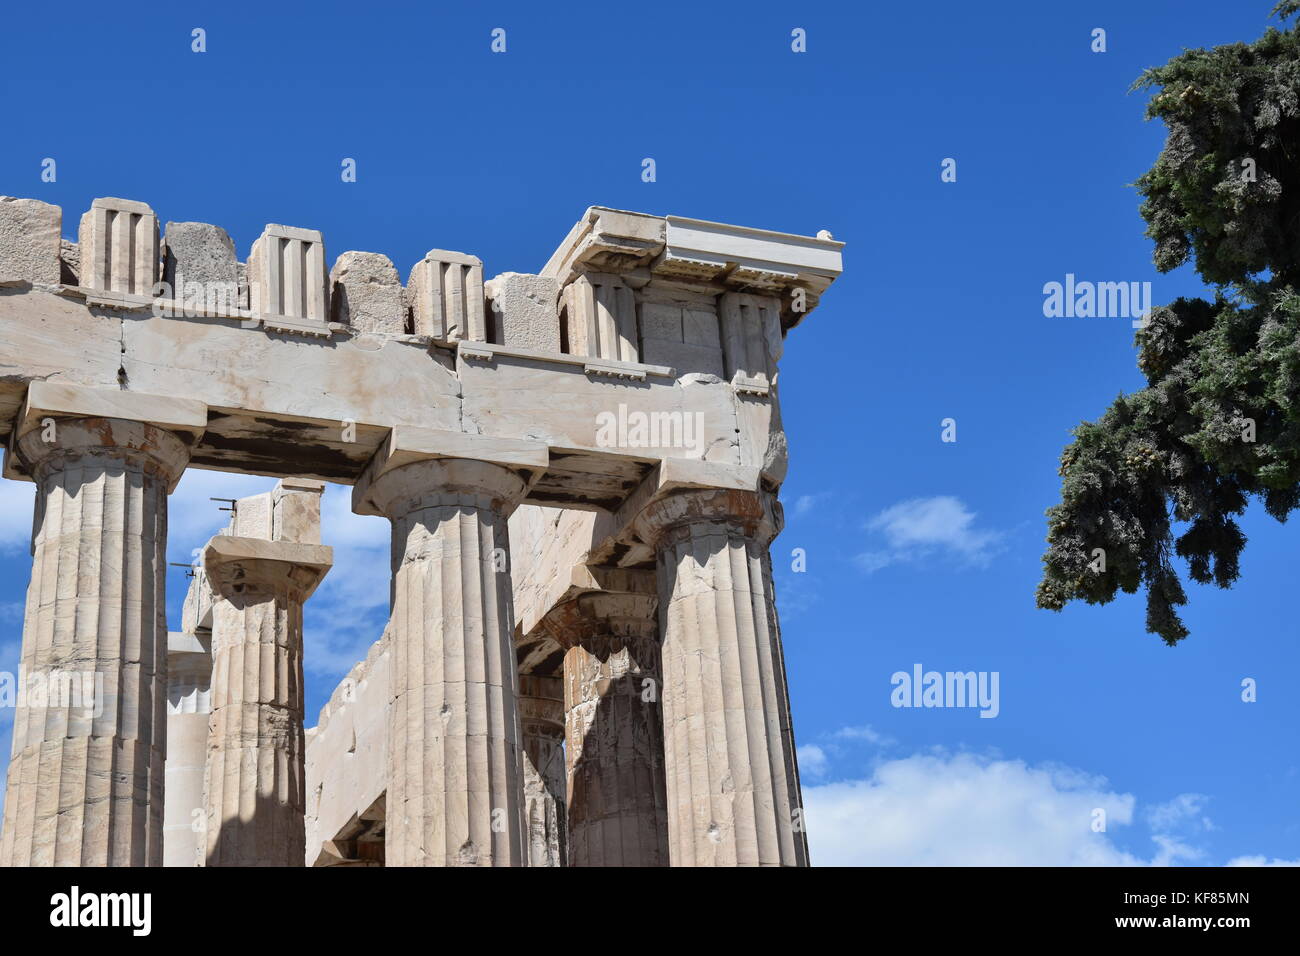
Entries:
{"x":864,"y":733}
{"x":16,"y":501}
{"x":1260,"y":861}
{"x":963,"y":810}
{"x":845,"y":744}
{"x":812,"y":761}
{"x":798,"y":591}
{"x":1184,"y":811}
{"x":920,"y":527}
{"x":9,"y":653}
{"x":805,"y":503}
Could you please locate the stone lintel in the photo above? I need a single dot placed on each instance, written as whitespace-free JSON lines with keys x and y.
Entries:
{"x":407,"y":444}
{"x":184,"y":643}
{"x":305,"y":565}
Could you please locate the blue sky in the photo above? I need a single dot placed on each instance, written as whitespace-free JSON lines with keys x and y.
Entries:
{"x":918,"y":551}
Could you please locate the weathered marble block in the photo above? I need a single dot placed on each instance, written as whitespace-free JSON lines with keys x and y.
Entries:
{"x":525,"y":310}
{"x":29,"y":241}
{"x":366,"y":293}
{"x":69,"y":262}
{"x":295,"y":510}
{"x":199,"y":264}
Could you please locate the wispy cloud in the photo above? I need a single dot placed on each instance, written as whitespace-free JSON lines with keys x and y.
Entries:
{"x":864,"y":733}
{"x":919,"y":528}
{"x":1186,"y":811}
{"x":16,"y":501}
{"x":848,"y":749}
{"x":797,"y":592}
{"x":9,"y":654}
{"x":804,"y":504}
{"x":1260,"y":861}
{"x":817,"y":759}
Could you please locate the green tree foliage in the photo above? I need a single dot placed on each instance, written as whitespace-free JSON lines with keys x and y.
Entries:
{"x":1219,"y":420}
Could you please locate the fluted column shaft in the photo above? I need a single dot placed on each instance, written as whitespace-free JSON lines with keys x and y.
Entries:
{"x":541,"y":718}
{"x":456,"y":786}
{"x":188,"y":684}
{"x":614,"y":734}
{"x":86,"y":775}
{"x":253,"y":787}
{"x":733,"y":782}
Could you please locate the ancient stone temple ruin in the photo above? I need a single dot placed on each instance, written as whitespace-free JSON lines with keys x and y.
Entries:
{"x":582,"y":664}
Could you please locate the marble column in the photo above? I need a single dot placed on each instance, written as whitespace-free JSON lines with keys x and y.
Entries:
{"x":255,"y":777}
{"x":85,"y":781}
{"x":733,"y":783}
{"x":541,"y":718}
{"x":189,"y":680}
{"x":613,"y":730}
{"x":455,"y":796}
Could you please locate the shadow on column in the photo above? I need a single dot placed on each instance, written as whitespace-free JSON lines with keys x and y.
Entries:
{"x":618,"y":799}
{"x":258,"y":841}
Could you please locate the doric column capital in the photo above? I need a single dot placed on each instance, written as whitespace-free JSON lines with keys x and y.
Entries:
{"x":541,"y":705}
{"x":753,"y":514}
{"x":240,"y":567}
{"x":601,"y":615}
{"x":422,"y":467}
{"x":65,"y":442}
{"x":60,"y":424}
{"x":436,"y":482}
{"x":189,"y":668}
